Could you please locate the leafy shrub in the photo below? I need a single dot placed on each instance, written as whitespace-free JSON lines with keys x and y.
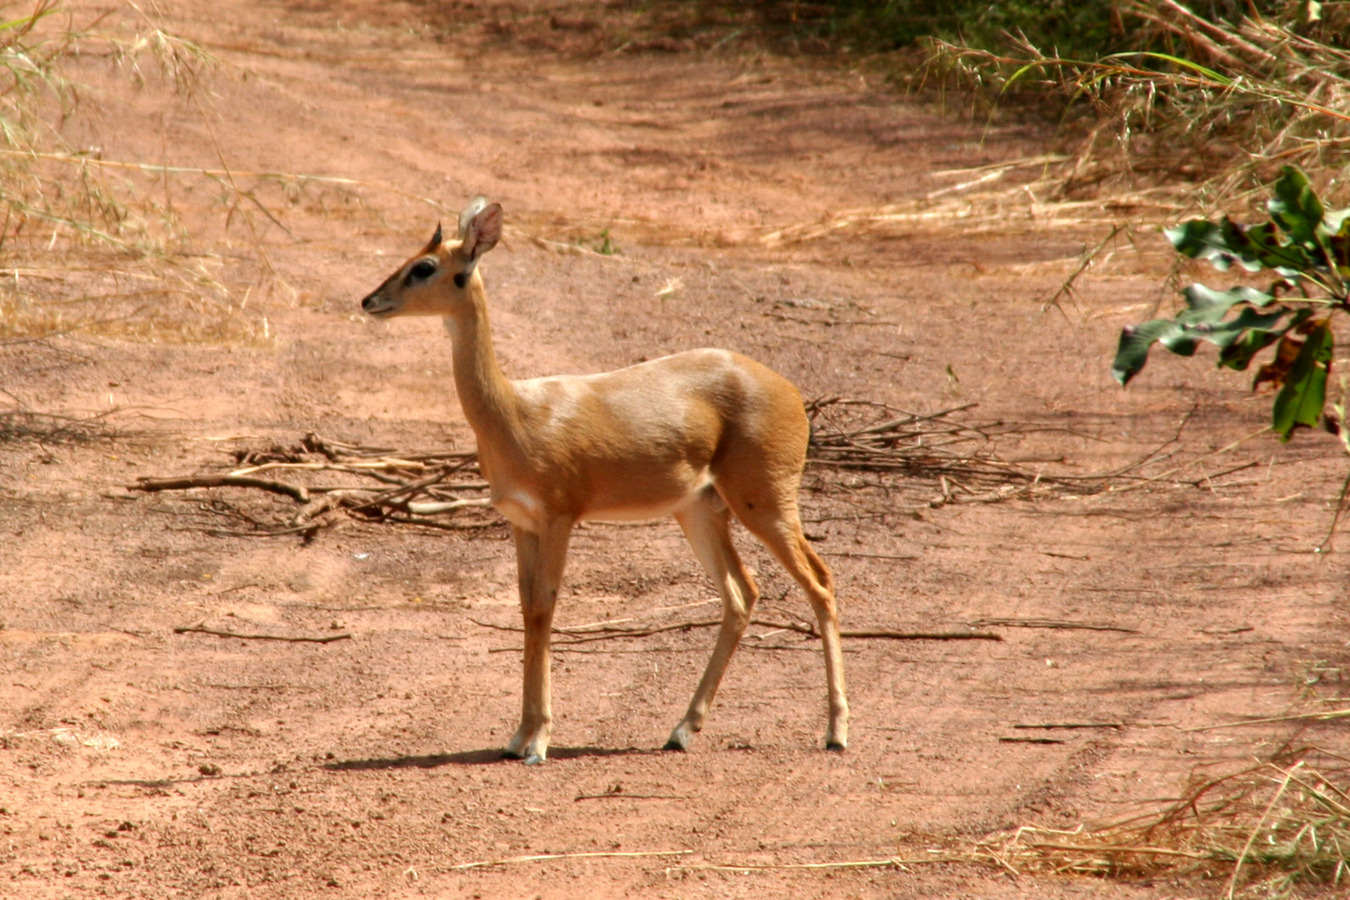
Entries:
{"x":1307,"y":248}
{"x":1083,"y":30}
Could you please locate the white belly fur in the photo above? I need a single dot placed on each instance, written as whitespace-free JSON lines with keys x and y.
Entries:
{"x":524,"y":509}
{"x":521,"y":508}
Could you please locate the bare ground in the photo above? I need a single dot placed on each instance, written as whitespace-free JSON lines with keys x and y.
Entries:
{"x":746,"y":194}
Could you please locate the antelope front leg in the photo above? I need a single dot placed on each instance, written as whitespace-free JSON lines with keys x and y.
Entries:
{"x":706,"y":526}
{"x":539,"y":562}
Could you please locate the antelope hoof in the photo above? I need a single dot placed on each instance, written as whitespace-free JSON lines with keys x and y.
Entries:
{"x":530,"y":759}
{"x":530,"y":746}
{"x":835,"y":746}
{"x":679,"y":740}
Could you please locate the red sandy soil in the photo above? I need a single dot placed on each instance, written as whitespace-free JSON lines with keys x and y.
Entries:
{"x":136,"y":761}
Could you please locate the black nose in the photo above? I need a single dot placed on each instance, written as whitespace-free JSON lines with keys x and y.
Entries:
{"x":370,"y":302}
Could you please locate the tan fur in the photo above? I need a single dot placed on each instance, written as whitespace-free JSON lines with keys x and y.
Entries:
{"x":700,"y":435}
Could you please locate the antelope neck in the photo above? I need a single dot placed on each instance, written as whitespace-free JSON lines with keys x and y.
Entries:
{"x":488,"y":399}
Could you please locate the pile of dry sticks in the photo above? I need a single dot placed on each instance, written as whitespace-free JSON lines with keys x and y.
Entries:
{"x":439,"y":489}
{"x":941,"y":458}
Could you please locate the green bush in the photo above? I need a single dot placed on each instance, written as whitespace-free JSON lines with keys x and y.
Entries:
{"x":1090,"y":27}
{"x":1083,"y":30}
{"x":1306,"y":248}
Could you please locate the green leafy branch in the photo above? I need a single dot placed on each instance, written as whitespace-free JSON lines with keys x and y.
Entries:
{"x":1307,"y":248}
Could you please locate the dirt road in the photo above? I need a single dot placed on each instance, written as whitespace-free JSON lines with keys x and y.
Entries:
{"x":664,"y":188}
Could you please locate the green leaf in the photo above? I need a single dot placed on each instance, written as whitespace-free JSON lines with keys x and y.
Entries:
{"x":1225,"y":242}
{"x":1308,"y":246}
{"x":1336,"y":229}
{"x":1203,"y":239}
{"x":1295,"y":207}
{"x":1203,"y":320}
{"x":1135,"y":342}
{"x":1181,"y":62}
{"x":1225,"y":334}
{"x":1264,"y":245}
{"x":1259,"y":332}
{"x":1204,"y":304}
{"x":1181,"y":339}
{"x":1303,"y":396}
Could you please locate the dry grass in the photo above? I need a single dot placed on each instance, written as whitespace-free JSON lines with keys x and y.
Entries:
{"x":993,"y":199}
{"x":119,"y":295}
{"x":88,"y":249}
{"x":881,"y":460}
{"x":1215,"y":116}
{"x":1264,"y":830}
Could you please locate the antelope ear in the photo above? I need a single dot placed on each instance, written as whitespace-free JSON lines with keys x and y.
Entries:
{"x":480,"y":227}
{"x":435,"y":243}
{"x":476,"y":205}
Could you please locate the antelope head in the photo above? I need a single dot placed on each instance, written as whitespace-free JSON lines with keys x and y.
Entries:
{"x":436,"y":280}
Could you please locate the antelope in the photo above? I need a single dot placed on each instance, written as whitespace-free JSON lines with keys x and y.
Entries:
{"x":699,"y":435}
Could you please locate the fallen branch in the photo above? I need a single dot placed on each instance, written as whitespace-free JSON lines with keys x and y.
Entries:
{"x":891,"y":862}
{"x":852,"y":554}
{"x":301,"y":639}
{"x":588,"y":635}
{"x":949,"y":461}
{"x":931,"y":447}
{"x":585,"y":854}
{"x":622,"y":795}
{"x":1327,"y":716}
{"x":1049,"y":623}
{"x":408,"y":487}
{"x":1163,"y":476}
{"x":305,"y":529}
{"x":882,"y":634}
{"x":1066,"y":288}
{"x":1053,"y":725}
{"x":444,"y":506}
{"x":185,"y":482}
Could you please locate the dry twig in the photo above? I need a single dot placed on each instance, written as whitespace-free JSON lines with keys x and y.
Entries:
{"x":624,"y":795}
{"x":376,"y":484}
{"x":551,"y":857}
{"x":892,"y":862}
{"x":184,"y":482}
{"x":927,"y":448}
{"x":1049,"y":623}
{"x":881,"y":449}
{"x":1278,"y":822}
{"x":610,"y":632}
{"x":293,"y":639}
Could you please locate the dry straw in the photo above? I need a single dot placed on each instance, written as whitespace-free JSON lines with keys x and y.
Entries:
{"x":1264,"y":829}
{"x":121,"y":259}
{"x":1220,"y":111}
{"x":867,"y":452}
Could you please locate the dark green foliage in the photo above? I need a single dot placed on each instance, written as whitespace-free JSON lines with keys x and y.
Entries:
{"x":1083,"y":30}
{"x":1088,"y":27}
{"x":1304,"y":392}
{"x":1308,"y":248}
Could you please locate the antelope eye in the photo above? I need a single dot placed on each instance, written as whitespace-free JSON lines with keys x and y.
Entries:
{"x":422,"y":270}
{"x":461,"y":279}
